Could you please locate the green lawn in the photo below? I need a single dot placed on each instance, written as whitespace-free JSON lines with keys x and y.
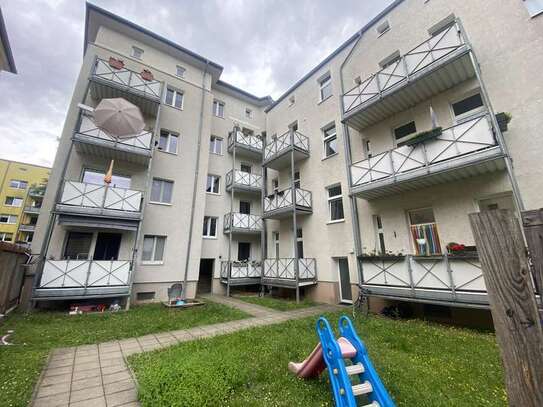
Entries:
{"x":280,"y":304}
{"x":421,"y":364}
{"x":36,"y":334}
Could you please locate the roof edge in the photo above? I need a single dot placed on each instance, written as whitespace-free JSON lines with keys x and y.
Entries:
{"x":261,"y":100}
{"x":7,"y":47}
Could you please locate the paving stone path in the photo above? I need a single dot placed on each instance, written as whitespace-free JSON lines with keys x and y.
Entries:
{"x":98,"y":375}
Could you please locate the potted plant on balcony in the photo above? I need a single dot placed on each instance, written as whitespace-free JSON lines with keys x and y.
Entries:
{"x":116,"y":63}
{"x":147,"y":75}
{"x":503,"y":119}
{"x":423,"y":136}
{"x":377,"y":255}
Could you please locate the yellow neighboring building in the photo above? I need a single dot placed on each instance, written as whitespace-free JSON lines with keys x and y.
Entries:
{"x":22,"y":187}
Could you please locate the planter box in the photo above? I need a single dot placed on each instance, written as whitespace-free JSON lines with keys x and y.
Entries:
{"x":147,"y":75}
{"x":383,"y":258}
{"x":116,"y":63}
{"x":423,"y":136}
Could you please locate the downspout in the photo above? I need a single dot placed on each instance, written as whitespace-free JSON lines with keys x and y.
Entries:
{"x":195,"y":187}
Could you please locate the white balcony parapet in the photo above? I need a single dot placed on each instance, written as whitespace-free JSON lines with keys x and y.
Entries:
{"x":27,"y":228}
{"x":88,"y":128}
{"x":285,"y":268}
{"x":127,"y":79}
{"x":430,"y":52}
{"x":284,"y":143}
{"x":284,"y":200}
{"x":242,"y":222}
{"x":244,"y":140}
{"x":80,"y":194}
{"x":32,"y":209}
{"x":244,"y":180}
{"x":241,"y":269}
{"x":77,"y":274}
{"x":463,"y":142}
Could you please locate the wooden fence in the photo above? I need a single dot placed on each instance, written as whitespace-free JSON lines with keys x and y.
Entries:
{"x":12,"y":258}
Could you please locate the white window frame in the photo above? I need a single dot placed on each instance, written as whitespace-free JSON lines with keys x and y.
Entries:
{"x":135,"y":51}
{"x":170,"y":135}
{"x":16,"y":184}
{"x":13,"y":198}
{"x":246,"y":165}
{"x":207,"y":223}
{"x":216,"y":108}
{"x":382,"y":28}
{"x":398,"y":141}
{"x":213,"y":142}
{"x":328,"y":138}
{"x":334,"y":198}
{"x":161,"y":191}
{"x":470,"y":114}
{"x":3,"y":237}
{"x":275,"y":185}
{"x":213,"y":177}
{"x":180,"y":71}
{"x":276,"y":240}
{"x":153,"y":252}
{"x":248,"y":113}
{"x":8,"y":218}
{"x":291,"y":100}
{"x":325,"y":82}
{"x":176,"y":93}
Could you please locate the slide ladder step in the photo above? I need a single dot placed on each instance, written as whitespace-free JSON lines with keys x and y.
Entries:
{"x":373,"y":404}
{"x":355,"y":369}
{"x":362,"y":388}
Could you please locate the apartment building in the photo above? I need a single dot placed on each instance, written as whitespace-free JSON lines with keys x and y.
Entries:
{"x":7,"y":63}
{"x":22,"y":188}
{"x":364,"y":171}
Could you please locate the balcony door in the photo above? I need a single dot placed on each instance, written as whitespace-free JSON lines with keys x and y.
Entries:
{"x":245,"y":207}
{"x":78,"y":246}
{"x":345,"y":293}
{"x":97,"y":177}
{"x":244,"y":251}
{"x":107,"y":246}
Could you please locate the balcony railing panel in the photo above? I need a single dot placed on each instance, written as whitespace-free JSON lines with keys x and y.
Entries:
{"x":32,"y":209}
{"x":27,"y":228}
{"x":127,"y":78}
{"x":283,"y":199}
{"x":431,"y":51}
{"x":242,"y":221}
{"x":244,"y":179}
{"x":285,"y":268}
{"x":241,"y":269}
{"x":100,"y":196}
{"x":246,"y":140}
{"x":88,"y":128}
{"x":85,"y":273}
{"x":283,"y":143}
{"x":457,"y":141}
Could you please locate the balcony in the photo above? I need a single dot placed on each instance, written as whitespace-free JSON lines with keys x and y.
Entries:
{"x":452,"y":280}
{"x":277,"y":151}
{"x":27,"y":228}
{"x":242,"y":223}
{"x":246,"y":145}
{"x":37,"y":193}
{"x":281,"y":204}
{"x":109,"y":82}
{"x":465,"y":150}
{"x":32,"y":210}
{"x":241,"y":272}
{"x":84,"y":279}
{"x":281,"y":272}
{"x":437,"y":64}
{"x":243,"y":181}
{"x":89,"y":139}
{"x":94,"y":205}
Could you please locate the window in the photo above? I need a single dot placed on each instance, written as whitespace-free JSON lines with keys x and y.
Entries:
{"x":244,"y":251}
{"x":325,"y":87}
{"x":213,"y":184}
{"x":215,"y":145}
{"x":391,"y":59}
{"x":468,"y":106}
{"x":161,"y":191}
{"x":367,"y":148}
{"x":335,"y":204}
{"x":300,"y":243}
{"x":291,"y":100}
{"x":168,"y":142}
{"x":145,"y":296}
{"x":383,"y":27}
{"x":275,"y":185}
{"x":210,"y":227}
{"x":330,"y":141}
{"x":137,"y":52}
{"x":180,"y":71}
{"x":18,"y":184}
{"x":442,"y":25}
{"x":10,"y":219}
{"x":97,"y":177}
{"x":245,"y":207}
{"x":297,"y":180}
{"x":174,"y":98}
{"x":403,"y":133}
{"x":248,"y":113}
{"x":424,"y":232}
{"x":153,"y":249}
{"x":6,"y":237}
{"x":276,"y":243}
{"x":13,"y":201}
{"x":218,"y":108}
{"x":534,"y":7}
{"x":379,"y":235}
{"x":245,"y":168}
{"x":78,"y":245}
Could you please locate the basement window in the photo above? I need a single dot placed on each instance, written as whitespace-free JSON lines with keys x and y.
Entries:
{"x":383,"y":28}
{"x":145,"y":296}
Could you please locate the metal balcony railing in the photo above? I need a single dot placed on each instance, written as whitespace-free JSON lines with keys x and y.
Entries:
{"x":242,"y":222}
{"x":100,"y":196}
{"x":27,"y":228}
{"x":85,"y":273}
{"x":285,"y":268}
{"x":458,"y":141}
{"x":430,"y":52}
{"x":279,"y":145}
{"x":32,"y":209}
{"x":283,"y":199}
{"x":241,"y":269}
{"x":88,"y":128}
{"x":244,"y":140}
{"x":127,"y":79}
{"x":238,"y":178}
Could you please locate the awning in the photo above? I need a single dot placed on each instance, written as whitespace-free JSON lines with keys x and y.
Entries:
{"x":94,"y":222}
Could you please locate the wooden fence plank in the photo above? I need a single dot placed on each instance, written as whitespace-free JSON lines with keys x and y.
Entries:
{"x":500,"y":245}
{"x":533,"y":230}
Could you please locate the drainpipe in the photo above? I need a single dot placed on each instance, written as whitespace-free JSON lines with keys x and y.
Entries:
{"x":195,"y":186}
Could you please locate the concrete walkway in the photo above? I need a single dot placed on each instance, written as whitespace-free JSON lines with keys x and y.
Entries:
{"x":98,"y":376}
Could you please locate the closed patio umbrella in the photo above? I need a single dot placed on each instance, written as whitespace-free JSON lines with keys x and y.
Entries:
{"x":119,"y":117}
{"x":109,"y":174}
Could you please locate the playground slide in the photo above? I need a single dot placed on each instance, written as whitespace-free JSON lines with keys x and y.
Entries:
{"x":314,"y":364}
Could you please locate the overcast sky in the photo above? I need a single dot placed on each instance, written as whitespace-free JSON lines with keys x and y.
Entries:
{"x":265,"y":46}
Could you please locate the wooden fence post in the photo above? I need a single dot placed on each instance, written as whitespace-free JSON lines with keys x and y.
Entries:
{"x":501,"y":249}
{"x":533,"y":230}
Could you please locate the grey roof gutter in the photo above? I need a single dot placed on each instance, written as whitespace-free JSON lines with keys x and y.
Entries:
{"x":5,"y":41}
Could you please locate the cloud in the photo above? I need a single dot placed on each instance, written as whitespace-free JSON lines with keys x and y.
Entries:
{"x":265,"y":47}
